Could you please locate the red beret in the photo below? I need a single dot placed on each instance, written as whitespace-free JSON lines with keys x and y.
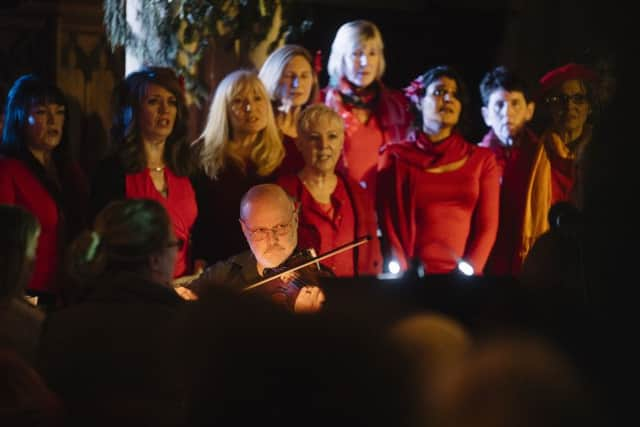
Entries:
{"x":560,"y":75}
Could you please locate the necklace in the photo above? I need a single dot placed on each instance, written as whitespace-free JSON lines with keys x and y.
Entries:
{"x":157,"y":169}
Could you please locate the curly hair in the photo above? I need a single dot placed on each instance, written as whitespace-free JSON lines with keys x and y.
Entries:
{"x":125,"y":129}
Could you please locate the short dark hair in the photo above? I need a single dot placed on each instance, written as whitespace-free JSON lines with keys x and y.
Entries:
{"x":28,"y":90}
{"x":18,"y":228}
{"x":125,"y":132}
{"x":502,"y":77}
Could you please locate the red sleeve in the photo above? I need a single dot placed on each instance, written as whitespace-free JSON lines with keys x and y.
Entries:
{"x":485,"y":218}
{"x":397,"y":224}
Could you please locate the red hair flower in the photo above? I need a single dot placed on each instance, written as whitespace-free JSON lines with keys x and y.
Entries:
{"x":415,"y":91}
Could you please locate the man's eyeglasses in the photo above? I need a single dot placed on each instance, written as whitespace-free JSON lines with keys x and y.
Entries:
{"x":262,"y":233}
{"x":578,"y":99}
{"x":178,"y":243}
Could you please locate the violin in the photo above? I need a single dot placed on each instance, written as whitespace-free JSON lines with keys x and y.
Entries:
{"x":283,"y":283}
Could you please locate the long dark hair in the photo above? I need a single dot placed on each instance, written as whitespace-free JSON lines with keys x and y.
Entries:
{"x":27,"y":91}
{"x":125,"y":131}
{"x":19,"y":228}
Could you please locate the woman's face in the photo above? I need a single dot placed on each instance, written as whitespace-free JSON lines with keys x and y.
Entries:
{"x":321,"y":145}
{"x":296,"y":82}
{"x":44,"y":126}
{"x":248,"y":112}
{"x":157,"y":113}
{"x":440,"y":106}
{"x":361,"y":65}
{"x":569,"y":106}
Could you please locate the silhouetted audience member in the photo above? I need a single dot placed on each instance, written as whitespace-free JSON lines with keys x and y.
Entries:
{"x":253,"y":364}
{"x":513,"y":381}
{"x":111,"y":356}
{"x":20,"y":321}
{"x":25,"y":399}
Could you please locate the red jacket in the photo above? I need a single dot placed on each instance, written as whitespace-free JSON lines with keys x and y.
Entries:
{"x":367,"y":257}
{"x":20,"y":185}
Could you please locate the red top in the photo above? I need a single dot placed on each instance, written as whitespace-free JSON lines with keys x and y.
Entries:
{"x":439,"y":202}
{"x":362,"y":141}
{"x":180,"y":203}
{"x":353,"y":216}
{"x":19,"y":186}
{"x":516,"y":163}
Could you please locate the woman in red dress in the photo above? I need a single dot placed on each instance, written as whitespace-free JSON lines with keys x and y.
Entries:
{"x":37,"y":173}
{"x":438,"y":194}
{"x":152,"y":158}
{"x":292,"y":84}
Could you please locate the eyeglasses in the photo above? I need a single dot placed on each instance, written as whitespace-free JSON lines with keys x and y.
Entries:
{"x":578,"y":99}
{"x":178,"y":243}
{"x":262,"y":233}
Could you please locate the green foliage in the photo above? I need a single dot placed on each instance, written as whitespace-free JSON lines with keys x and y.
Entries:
{"x":167,"y":26}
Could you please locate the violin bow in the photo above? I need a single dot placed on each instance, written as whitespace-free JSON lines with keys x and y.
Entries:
{"x":336,"y":251}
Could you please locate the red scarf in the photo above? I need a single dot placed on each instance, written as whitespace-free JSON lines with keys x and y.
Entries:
{"x":419,"y":151}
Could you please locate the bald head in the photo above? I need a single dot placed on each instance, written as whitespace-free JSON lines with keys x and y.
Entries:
{"x":269,"y":222}
{"x":264,"y":196}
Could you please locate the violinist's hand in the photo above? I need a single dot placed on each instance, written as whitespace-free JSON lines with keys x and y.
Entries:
{"x":185,"y":293}
{"x":309,"y":300}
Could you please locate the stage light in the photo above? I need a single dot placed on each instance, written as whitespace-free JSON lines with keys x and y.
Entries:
{"x":394,"y":267}
{"x":465,"y":268}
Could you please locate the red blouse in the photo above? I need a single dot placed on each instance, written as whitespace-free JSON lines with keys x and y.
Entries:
{"x":180,"y":203}
{"x":19,"y":186}
{"x":353,"y":216}
{"x":439,"y":216}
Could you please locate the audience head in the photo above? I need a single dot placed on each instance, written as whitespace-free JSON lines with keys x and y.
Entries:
{"x":241,"y":109}
{"x":357,"y":54}
{"x":513,"y":381}
{"x":269,"y":221}
{"x":506,"y":103}
{"x":17,"y":254}
{"x":569,"y":96}
{"x":439,"y":98}
{"x":289,"y":77}
{"x":149,"y":105}
{"x":320,"y":138}
{"x":132,"y":235}
{"x":35,"y":116}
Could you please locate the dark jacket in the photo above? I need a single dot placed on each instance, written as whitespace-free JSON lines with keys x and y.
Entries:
{"x":112,"y":358}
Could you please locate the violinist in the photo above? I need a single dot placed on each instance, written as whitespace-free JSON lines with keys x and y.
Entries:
{"x":269,"y":222}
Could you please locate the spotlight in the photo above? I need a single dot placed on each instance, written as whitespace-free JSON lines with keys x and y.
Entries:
{"x":394,"y":267}
{"x":465,"y":268}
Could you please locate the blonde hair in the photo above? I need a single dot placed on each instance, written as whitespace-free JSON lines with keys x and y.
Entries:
{"x":268,"y":151}
{"x":273,"y":67}
{"x":312,"y":115}
{"x":348,"y":38}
